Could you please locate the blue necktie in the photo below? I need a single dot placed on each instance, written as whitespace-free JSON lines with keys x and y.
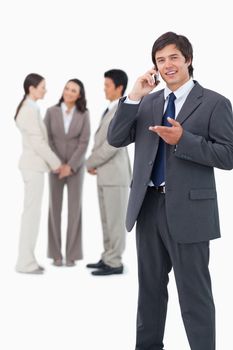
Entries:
{"x":158,"y":171}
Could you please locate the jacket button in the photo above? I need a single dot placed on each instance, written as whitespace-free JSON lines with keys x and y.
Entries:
{"x":150,"y":163}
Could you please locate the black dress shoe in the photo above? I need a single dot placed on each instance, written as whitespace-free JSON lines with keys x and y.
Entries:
{"x":108,"y":270}
{"x":99,"y":265}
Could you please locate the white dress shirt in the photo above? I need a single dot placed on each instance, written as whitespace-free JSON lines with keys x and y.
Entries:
{"x":181,"y":95}
{"x":112,"y":104}
{"x":67,"y":116}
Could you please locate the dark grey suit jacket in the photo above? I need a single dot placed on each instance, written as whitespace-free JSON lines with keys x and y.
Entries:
{"x":207,"y":142}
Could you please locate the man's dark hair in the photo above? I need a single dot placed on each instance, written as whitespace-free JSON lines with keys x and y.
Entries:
{"x":181,"y":43}
{"x":119,"y":77}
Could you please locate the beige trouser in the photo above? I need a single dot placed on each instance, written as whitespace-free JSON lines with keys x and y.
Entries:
{"x":113,"y":202}
{"x":30,"y":220}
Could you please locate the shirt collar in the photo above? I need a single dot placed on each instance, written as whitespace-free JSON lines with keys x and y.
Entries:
{"x":32,"y":103}
{"x":64,"y":109}
{"x":113,"y":104}
{"x":183,"y":90}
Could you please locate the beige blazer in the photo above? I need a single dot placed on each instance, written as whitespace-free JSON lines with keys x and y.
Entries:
{"x":112,"y":164}
{"x":36,"y":155}
{"x":70,"y":147}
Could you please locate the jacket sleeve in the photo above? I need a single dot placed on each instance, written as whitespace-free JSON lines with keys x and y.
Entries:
{"x":217,"y":151}
{"x":47,"y":121}
{"x":78,"y":157}
{"x":28,"y":121}
{"x":121,"y":131}
{"x":101,"y":155}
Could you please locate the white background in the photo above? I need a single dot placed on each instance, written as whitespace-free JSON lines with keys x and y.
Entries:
{"x":67,"y":308}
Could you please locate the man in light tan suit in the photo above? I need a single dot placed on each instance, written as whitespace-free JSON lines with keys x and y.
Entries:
{"x":112,"y":167}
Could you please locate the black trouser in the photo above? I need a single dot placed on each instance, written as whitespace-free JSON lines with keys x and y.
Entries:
{"x":157,"y":254}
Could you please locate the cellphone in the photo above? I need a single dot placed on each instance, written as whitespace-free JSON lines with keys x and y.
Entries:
{"x":156,"y":78}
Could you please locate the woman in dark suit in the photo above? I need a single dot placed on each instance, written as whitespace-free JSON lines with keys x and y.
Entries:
{"x":68,"y":129}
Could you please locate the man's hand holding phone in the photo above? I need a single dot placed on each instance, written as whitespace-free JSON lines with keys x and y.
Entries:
{"x":144,"y":85}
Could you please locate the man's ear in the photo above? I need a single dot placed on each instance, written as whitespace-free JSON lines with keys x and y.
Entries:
{"x":189,"y":62}
{"x":120,"y":89}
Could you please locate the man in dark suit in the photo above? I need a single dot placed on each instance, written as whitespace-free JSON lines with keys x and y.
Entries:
{"x":181,"y":133}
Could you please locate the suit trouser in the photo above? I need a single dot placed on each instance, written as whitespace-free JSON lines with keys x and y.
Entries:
{"x":157,"y":254}
{"x":112,"y":203}
{"x":74,"y":228}
{"x":30,"y":220}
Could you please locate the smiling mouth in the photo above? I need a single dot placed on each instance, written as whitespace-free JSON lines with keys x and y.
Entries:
{"x":171,"y":73}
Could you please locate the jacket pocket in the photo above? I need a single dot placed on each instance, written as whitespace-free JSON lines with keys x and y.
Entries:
{"x":203,"y":194}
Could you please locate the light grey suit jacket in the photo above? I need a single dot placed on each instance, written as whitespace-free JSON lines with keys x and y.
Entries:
{"x":112,"y":164}
{"x":37,"y":155}
{"x":207,"y":142}
{"x":70,"y":147}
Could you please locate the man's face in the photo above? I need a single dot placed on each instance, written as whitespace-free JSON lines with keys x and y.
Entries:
{"x":112,"y":92}
{"x":172,"y":66}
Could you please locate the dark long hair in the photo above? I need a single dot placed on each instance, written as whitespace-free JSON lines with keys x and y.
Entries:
{"x":31,"y":79}
{"x":80,"y":103}
{"x":181,"y":43}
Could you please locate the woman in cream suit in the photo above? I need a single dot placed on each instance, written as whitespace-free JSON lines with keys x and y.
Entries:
{"x":37,"y":158}
{"x":68,"y":129}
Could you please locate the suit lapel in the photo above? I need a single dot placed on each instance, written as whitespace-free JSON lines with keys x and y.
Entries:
{"x":106,"y":117}
{"x":60,"y":120}
{"x":109,"y":115}
{"x":74,"y":121}
{"x":158,"y":106}
{"x":193,"y":100}
{"x":157,"y":115}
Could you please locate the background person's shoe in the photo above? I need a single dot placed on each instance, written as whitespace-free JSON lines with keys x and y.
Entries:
{"x":99,"y":265}
{"x":33,"y":272}
{"x":70,"y":263}
{"x":57,"y":262}
{"x":108,"y":270}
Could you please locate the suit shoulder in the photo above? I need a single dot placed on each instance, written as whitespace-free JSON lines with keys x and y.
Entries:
{"x":153,"y":95}
{"x":82,"y":115}
{"x":217,"y":99}
{"x":54,"y":109}
{"x":210,"y":94}
{"x":26,"y":112}
{"x":213,"y":94}
{"x":85,"y":114}
{"x":52,"y":112}
{"x":26,"y":108}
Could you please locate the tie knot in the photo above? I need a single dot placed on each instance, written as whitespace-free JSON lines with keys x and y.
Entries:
{"x":172,"y":97}
{"x":170,"y":110}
